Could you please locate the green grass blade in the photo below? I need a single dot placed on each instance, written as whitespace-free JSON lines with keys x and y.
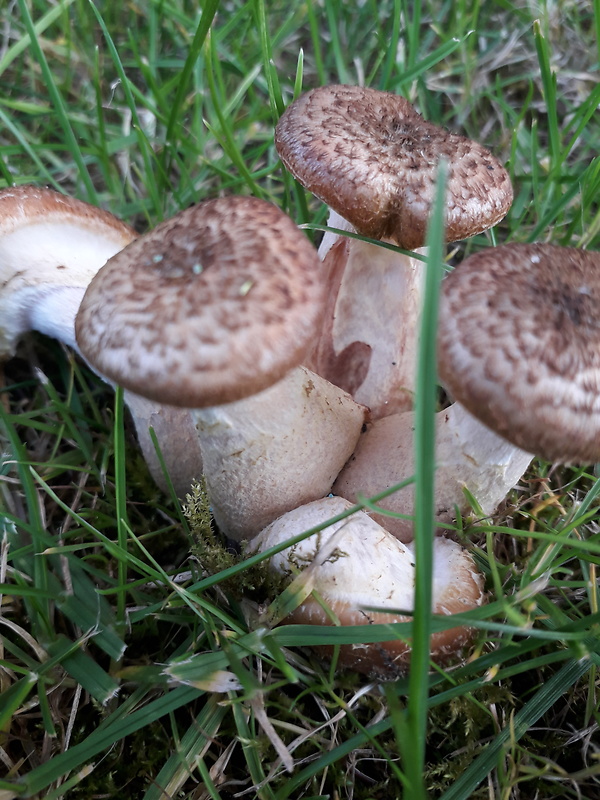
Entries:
{"x":413,"y":744}
{"x":58,"y":104}
{"x":544,"y":699}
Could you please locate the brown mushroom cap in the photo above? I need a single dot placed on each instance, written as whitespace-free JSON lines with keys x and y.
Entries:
{"x":213,"y":305}
{"x":372,"y":158}
{"x":37,"y":205}
{"x":519,"y":346}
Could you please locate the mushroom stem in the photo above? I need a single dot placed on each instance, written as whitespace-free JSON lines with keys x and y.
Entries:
{"x":468,"y":456}
{"x":51,"y":311}
{"x":368,"y":344}
{"x":275,"y":450}
{"x":355,"y":565}
{"x":175,"y":432}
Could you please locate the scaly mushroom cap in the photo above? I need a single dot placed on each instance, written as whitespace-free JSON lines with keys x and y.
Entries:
{"x":354,"y":564}
{"x":372,"y":158}
{"x":213,"y":305}
{"x":519,"y":346}
{"x":48,"y":242}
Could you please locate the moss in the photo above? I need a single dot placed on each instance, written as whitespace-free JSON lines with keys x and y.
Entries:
{"x":215,"y":554}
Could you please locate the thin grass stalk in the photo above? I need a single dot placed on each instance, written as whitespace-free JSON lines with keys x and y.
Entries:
{"x":121,"y":502}
{"x":58,"y":103}
{"x":597,"y":27}
{"x":147,"y":153}
{"x":425,"y":408}
{"x":273,"y":87}
{"x":21,"y":45}
{"x":209,"y":10}
{"x":390,"y":63}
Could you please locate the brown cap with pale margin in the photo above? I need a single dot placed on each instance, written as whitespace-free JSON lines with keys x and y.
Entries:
{"x":28,"y":204}
{"x":213,"y":305}
{"x":48,"y":241}
{"x":372,"y":158}
{"x":519,"y":346}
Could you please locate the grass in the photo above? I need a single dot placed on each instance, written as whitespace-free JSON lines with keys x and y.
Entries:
{"x":118,"y":678}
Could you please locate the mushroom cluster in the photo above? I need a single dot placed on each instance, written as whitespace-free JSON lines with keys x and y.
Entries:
{"x":282,"y":374}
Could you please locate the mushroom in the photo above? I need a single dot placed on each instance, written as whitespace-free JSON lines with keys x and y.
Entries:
{"x":519,"y":346}
{"x":373,"y":159}
{"x":51,"y":246}
{"x":355,"y":565}
{"x":519,"y":350}
{"x":468,"y":456}
{"x":216,"y":305}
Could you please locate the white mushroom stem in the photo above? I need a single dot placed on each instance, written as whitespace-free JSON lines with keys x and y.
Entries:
{"x":49,"y":310}
{"x":355,"y":565}
{"x":368,"y":344}
{"x":275,"y":450}
{"x":468,"y":456}
{"x":51,"y":246}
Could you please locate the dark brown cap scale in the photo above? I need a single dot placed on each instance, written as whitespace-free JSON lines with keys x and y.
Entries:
{"x":372,"y":158}
{"x":519,"y":346}
{"x":213,"y":305}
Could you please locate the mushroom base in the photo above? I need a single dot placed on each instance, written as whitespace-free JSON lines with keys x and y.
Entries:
{"x":355,"y":565}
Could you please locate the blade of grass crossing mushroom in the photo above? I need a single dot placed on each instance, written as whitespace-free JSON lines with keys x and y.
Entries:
{"x":205,"y":583}
{"x":172,"y":493}
{"x":413,"y":746}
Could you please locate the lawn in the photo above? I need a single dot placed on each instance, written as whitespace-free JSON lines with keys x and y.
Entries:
{"x":134,"y":660}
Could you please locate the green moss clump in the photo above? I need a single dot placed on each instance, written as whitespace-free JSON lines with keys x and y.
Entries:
{"x":215,"y":555}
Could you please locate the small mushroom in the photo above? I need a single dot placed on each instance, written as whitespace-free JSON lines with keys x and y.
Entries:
{"x":355,"y":565}
{"x":216,"y":305}
{"x":468,"y":456}
{"x":51,"y":246}
{"x":519,"y":346}
{"x":373,"y":159}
